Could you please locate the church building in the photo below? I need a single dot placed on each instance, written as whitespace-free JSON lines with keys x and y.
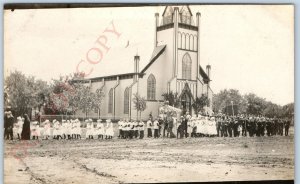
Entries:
{"x":174,"y":66}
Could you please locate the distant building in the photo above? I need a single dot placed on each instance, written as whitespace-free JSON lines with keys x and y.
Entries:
{"x":174,"y":66}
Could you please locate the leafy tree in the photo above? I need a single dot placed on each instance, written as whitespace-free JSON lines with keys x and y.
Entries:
{"x":172,"y":98}
{"x":200,"y":103}
{"x":288,"y":110}
{"x":99,"y":96}
{"x":255,"y":104}
{"x":272,"y":110}
{"x":224,"y":98}
{"x":66,"y":94}
{"x":24,"y":93}
{"x":140,"y":103}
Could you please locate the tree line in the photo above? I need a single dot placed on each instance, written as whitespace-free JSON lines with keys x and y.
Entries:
{"x":70,"y":93}
{"x":250,"y":104}
{"x":62,"y":96}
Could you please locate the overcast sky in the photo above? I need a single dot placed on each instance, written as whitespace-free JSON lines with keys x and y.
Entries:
{"x":250,"y":48}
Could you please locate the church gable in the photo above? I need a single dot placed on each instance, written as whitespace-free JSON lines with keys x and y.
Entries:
{"x":185,"y":10}
{"x":168,"y":11}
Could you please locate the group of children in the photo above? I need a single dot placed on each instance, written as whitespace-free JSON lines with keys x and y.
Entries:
{"x":201,"y":126}
{"x":67,"y":129}
{"x":129,"y":129}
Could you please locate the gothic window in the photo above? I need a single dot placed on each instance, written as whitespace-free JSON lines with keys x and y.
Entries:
{"x":187,"y":41}
{"x":179,"y":40}
{"x":126,"y":101}
{"x":195,"y":42}
{"x":151,"y":82}
{"x":191,"y":42}
{"x":110,"y":101}
{"x":186,"y":67}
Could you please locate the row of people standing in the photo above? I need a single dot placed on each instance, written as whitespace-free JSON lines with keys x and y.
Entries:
{"x":154,"y":127}
{"x":67,"y":129}
{"x":240,"y":125}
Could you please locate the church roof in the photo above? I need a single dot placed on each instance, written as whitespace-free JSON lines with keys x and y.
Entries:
{"x":181,"y":9}
{"x":155,"y":54}
{"x":204,"y":75}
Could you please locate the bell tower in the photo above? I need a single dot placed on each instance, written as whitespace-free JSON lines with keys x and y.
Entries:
{"x":179,"y":32}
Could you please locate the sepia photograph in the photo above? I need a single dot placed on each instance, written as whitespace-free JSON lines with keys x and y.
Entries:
{"x":148,"y":93}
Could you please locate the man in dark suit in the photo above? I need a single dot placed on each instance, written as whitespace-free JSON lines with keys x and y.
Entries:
{"x":8,"y":125}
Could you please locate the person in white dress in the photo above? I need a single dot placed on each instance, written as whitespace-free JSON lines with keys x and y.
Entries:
{"x":68,"y":128}
{"x":89,"y":134}
{"x":109,"y":129}
{"x":35,"y":130}
{"x":212,"y":127}
{"x":57,"y":130}
{"x":156,"y":128}
{"x":20,"y":123}
{"x":120,"y":122}
{"x":47,"y":129}
{"x":98,"y":128}
{"x":124,"y":129}
{"x":63,"y":128}
{"x":190,"y":126}
{"x":78,"y":129}
{"x":73,"y":129}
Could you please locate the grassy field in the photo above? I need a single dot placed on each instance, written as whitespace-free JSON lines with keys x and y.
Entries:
{"x":149,"y":160}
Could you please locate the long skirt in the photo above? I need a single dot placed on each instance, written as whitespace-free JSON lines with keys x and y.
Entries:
{"x":149,"y":132}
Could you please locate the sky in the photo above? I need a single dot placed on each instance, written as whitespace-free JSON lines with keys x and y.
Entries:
{"x":249,"y":47}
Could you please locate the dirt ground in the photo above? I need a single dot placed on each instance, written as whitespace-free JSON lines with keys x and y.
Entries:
{"x":149,"y":160}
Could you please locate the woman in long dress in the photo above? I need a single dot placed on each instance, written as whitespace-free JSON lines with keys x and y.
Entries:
{"x":35,"y":130}
{"x":190,"y":126}
{"x":20,"y":123}
{"x":88,"y":129}
{"x":68,"y":129}
{"x":77,"y":129}
{"x":212,"y":130}
{"x":25,"y":135}
{"x":109,"y":129}
{"x":47,"y":129}
{"x":99,"y":129}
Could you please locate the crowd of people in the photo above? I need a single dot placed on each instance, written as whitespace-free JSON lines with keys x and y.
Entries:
{"x":161,"y":126}
{"x":241,"y":125}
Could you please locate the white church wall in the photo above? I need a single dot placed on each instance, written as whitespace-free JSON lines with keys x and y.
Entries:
{"x":165,"y":37}
{"x":162,"y":73}
{"x":119,"y":98}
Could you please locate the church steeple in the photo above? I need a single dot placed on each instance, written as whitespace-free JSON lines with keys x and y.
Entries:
{"x":185,"y":15}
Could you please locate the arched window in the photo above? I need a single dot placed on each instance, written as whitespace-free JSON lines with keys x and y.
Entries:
{"x":186,"y":67}
{"x":179,"y":40}
{"x":191,"y":42}
{"x":126,"y":101}
{"x":151,"y":82}
{"x":110,"y":101}
{"x":195,"y":42}
{"x":183,"y":41}
{"x":187,"y":41}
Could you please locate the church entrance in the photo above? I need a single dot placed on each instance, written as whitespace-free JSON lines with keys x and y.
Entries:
{"x":186,"y":103}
